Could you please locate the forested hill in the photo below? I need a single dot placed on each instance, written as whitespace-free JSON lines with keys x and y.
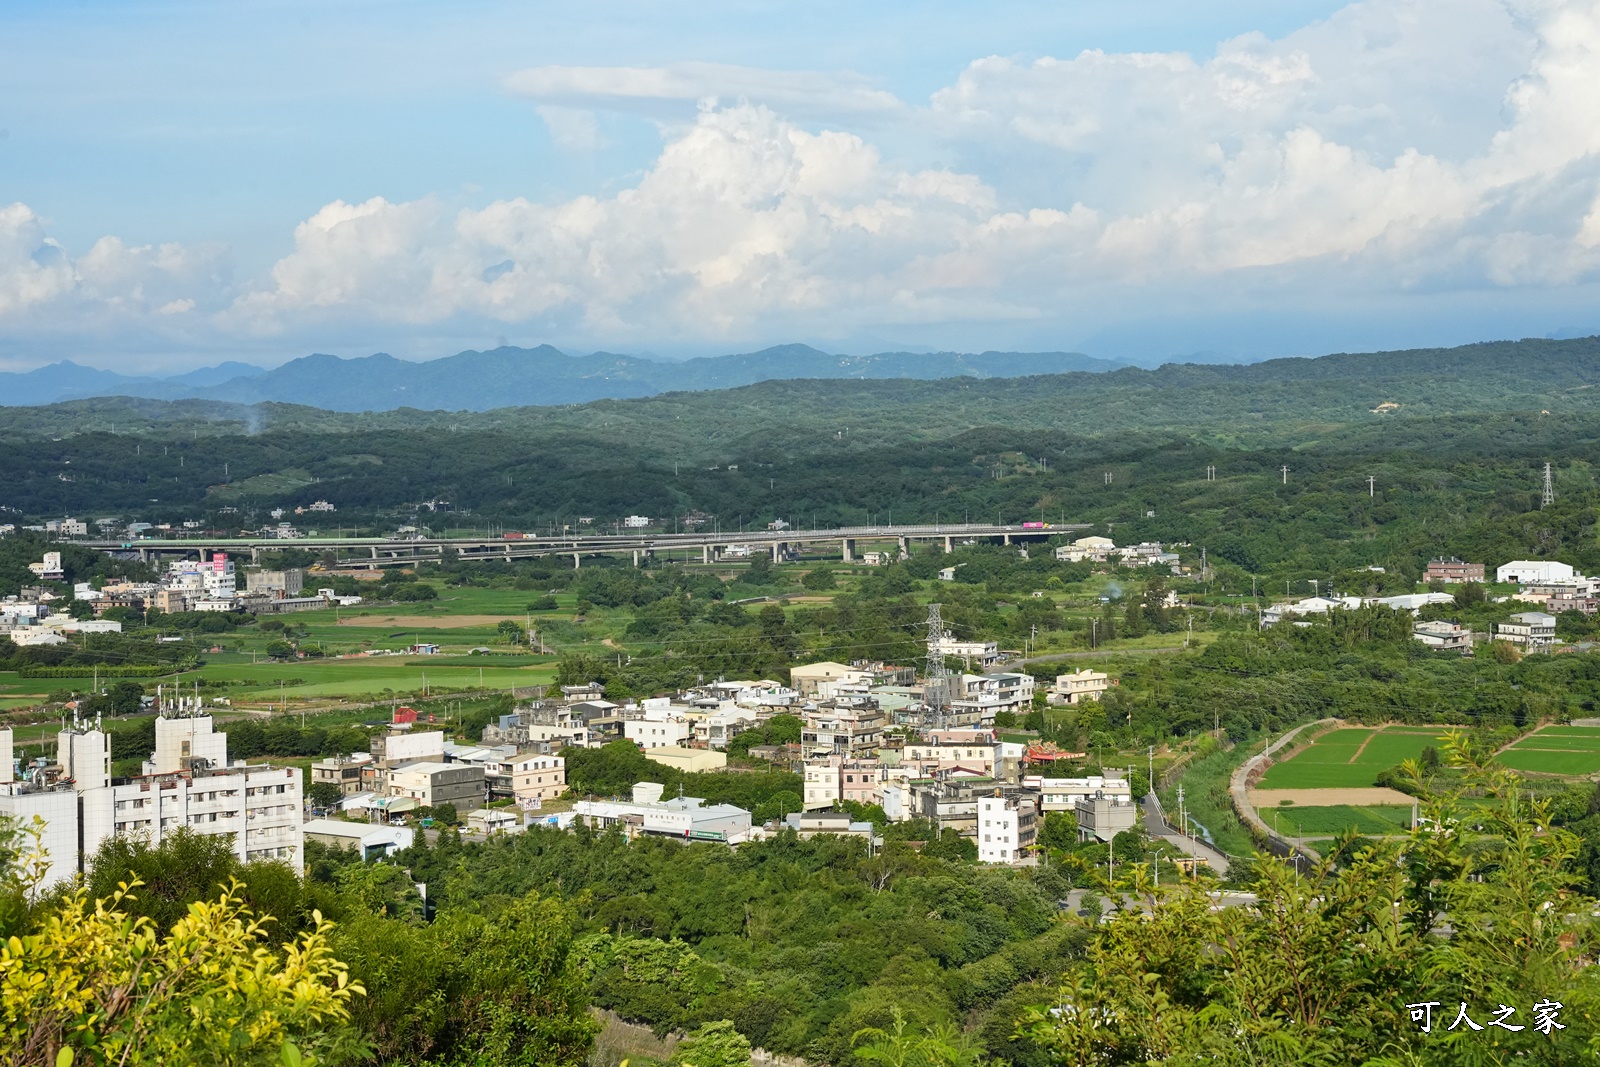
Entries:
{"x":1280,"y":401}
{"x":478,"y":381}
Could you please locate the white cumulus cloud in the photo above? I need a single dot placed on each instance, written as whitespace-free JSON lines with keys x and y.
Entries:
{"x":1398,"y":146}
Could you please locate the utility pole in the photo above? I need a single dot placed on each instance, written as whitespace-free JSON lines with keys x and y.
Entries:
{"x":1108,"y":477}
{"x":1549,"y":489}
{"x":1285,"y":469}
{"x":1372,"y":487}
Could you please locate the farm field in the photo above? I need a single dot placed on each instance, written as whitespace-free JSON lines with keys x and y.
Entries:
{"x":1570,"y":750}
{"x":1349,"y":757}
{"x":1296,"y":821}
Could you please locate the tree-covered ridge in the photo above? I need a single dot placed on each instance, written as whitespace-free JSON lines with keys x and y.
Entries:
{"x":1272,"y":401}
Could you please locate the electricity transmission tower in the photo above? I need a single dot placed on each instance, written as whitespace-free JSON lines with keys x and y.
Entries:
{"x":1549,"y":489}
{"x":936,"y":690}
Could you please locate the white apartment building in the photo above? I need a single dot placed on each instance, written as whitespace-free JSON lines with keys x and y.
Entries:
{"x":985,"y":695}
{"x":1079,"y":686}
{"x":1531,"y":629}
{"x":983,"y":653}
{"x":257,"y":806}
{"x":1064,"y":794}
{"x":1007,"y":829}
{"x":1094,"y":548}
{"x":684,"y":818}
{"x":659,"y":725}
{"x":822,"y":788}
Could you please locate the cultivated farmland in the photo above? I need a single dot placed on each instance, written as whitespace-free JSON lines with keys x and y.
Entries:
{"x":1349,"y":758}
{"x":1568,"y":750}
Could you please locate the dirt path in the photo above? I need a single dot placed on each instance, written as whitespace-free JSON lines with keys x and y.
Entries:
{"x":1363,"y":746}
{"x":1327,"y":798}
{"x":423,"y":622}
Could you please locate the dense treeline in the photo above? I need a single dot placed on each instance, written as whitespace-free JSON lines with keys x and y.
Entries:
{"x":1459,"y":487}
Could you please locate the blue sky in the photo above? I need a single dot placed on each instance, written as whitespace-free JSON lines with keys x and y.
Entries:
{"x":182,"y":182}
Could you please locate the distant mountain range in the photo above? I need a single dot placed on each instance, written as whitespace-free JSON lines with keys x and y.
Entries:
{"x":510,"y":377}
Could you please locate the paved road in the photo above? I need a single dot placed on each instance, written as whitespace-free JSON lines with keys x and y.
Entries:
{"x":1158,"y":830}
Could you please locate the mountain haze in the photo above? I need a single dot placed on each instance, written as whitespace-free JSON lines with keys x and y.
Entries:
{"x":508,"y":377}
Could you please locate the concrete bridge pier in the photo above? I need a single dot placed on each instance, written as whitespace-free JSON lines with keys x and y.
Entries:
{"x":848,"y":548}
{"x":777,"y":551}
{"x":636,"y":557}
{"x":577,"y":560}
{"x":705,"y":555}
{"x":374,"y":551}
{"x":905,"y":548}
{"x":949,"y":544}
{"x":1007,"y":539}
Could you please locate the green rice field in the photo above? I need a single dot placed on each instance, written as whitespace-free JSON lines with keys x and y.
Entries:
{"x":1572,"y":750}
{"x":1349,"y":757}
{"x":1307,"y":822}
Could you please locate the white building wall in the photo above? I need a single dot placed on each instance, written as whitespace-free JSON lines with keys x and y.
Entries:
{"x":187,"y":736}
{"x":59,"y":810}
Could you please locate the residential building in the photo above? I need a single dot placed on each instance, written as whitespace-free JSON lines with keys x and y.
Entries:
{"x":1531,"y":571}
{"x":1587,"y":603}
{"x":983,"y":653}
{"x":809,"y":824}
{"x":970,"y":750}
{"x":688,"y":760}
{"x":369,"y":840}
{"x":808,"y":678}
{"x":1104,"y":816}
{"x":851,"y":728}
{"x":1007,"y":829}
{"x":979,"y":697}
{"x":529,"y":777}
{"x":1097,"y":549}
{"x":256,"y":806}
{"x":280,"y":583}
{"x":1082,"y":685}
{"x":636,"y":522}
{"x":660,"y":724}
{"x":1531,"y":629}
{"x":1064,"y":794}
{"x":683,"y":818}
{"x":1452,"y":570}
{"x":494,"y":821}
{"x":822,"y":783}
{"x":342,"y":771}
{"x":49,"y":568}
{"x":431,"y":784}
{"x":1448,"y":636}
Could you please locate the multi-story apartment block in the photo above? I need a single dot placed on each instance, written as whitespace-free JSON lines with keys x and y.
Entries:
{"x":851,"y":728}
{"x":1082,"y":685}
{"x":1531,"y":629}
{"x":1452,"y":570}
{"x":1007,"y":829}
{"x":187,"y":784}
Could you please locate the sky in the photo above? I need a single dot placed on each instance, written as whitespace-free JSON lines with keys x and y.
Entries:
{"x":183,"y":183}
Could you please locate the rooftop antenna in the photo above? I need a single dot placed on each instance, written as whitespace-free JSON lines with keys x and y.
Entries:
{"x":1549,"y":489}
